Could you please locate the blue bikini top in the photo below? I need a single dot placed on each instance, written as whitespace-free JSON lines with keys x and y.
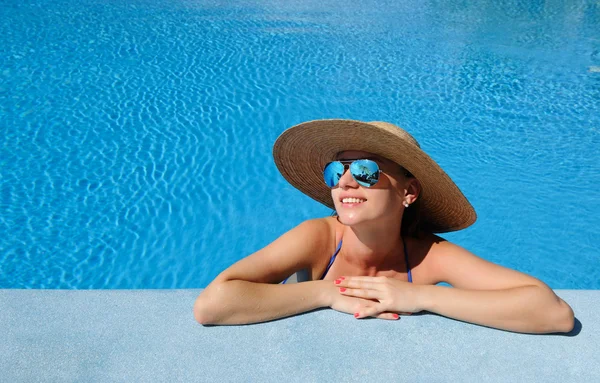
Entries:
{"x":339,"y":246}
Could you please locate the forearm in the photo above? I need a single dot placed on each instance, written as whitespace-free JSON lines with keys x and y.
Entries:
{"x":241,"y":302}
{"x":528,"y":309}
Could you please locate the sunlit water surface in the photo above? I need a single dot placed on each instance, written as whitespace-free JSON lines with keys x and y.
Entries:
{"x":136,"y":135}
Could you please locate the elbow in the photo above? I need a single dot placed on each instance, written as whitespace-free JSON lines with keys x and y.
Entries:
{"x":553,"y":315}
{"x":206,"y":312}
{"x":561,"y":319}
{"x":202,"y":311}
{"x":566,"y":319}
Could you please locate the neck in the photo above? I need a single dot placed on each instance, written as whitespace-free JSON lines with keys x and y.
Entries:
{"x":368,"y":246}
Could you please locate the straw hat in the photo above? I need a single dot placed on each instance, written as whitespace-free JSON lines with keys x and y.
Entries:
{"x":302,"y":151}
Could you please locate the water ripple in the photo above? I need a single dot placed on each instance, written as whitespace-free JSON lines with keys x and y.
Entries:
{"x":137,"y":137}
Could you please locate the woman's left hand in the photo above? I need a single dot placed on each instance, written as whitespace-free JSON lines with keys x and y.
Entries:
{"x":387,"y":295}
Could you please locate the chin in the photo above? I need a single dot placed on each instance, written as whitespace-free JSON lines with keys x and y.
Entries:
{"x":350,"y":218}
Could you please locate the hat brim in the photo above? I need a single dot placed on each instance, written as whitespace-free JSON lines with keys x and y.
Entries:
{"x":302,"y":151}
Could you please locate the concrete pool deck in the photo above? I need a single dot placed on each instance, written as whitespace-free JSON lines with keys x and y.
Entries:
{"x":151,"y":336}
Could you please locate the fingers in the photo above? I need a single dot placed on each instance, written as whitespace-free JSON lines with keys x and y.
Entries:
{"x":368,"y":311}
{"x":388,"y":316}
{"x":371,"y":283}
{"x":360,"y":293}
{"x":363,"y":279}
{"x":364,"y":309}
{"x":374,"y":312}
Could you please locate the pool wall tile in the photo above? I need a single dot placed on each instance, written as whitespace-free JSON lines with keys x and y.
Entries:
{"x":151,"y":336}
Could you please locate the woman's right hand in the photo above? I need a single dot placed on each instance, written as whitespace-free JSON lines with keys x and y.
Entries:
{"x":350,"y":305}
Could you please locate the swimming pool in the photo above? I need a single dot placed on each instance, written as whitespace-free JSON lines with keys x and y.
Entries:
{"x":137,"y":136}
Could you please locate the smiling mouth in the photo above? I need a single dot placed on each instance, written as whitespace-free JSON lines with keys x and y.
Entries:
{"x":353,"y":201}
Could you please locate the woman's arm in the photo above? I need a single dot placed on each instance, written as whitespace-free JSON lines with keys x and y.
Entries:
{"x":241,"y":302}
{"x":527,"y":309}
{"x":491,"y":295}
{"x":482,"y":293}
{"x":249,"y":291}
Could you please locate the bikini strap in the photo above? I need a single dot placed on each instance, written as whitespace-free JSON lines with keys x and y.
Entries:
{"x":339,"y":246}
{"x":406,"y":260}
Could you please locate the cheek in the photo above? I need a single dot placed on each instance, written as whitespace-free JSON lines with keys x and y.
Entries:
{"x":394,"y":200}
{"x":334,"y":196}
{"x":387,"y":199}
{"x":392,"y":184}
{"x":393,"y":193}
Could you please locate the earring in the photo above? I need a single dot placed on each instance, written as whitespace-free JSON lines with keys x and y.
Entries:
{"x":405,"y":204}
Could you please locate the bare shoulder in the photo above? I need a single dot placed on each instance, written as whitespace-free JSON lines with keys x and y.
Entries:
{"x":447,"y":262}
{"x":421,"y":253}
{"x":317,"y":234}
{"x":298,"y":248}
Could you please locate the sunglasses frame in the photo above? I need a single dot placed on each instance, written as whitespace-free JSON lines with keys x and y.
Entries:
{"x":347,"y":164}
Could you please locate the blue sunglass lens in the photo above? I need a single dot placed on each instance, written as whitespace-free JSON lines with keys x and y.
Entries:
{"x":332,"y":173}
{"x":365,"y":172}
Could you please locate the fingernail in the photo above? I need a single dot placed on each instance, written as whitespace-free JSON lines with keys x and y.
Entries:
{"x":337,"y":281}
{"x":396,"y":316}
{"x":342,"y":289}
{"x":341,"y":278}
{"x":356,"y":315}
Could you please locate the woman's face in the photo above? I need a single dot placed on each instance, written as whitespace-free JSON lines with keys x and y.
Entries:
{"x":357,"y":204}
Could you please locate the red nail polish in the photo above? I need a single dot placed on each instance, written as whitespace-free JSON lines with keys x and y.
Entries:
{"x":341,"y":278}
{"x":356,"y":315}
{"x":396,"y":316}
{"x":337,"y":281}
{"x":342,"y":289}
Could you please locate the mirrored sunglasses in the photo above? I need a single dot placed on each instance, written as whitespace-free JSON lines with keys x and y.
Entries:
{"x":365,"y":172}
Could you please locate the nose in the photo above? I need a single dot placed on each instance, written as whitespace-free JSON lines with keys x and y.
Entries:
{"x":347,"y":181}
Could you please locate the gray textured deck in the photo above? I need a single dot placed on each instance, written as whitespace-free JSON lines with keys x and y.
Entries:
{"x":151,"y":336}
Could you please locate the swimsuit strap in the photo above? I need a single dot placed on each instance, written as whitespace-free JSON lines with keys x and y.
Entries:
{"x":328,"y":266}
{"x":409,"y":272}
{"x":406,"y":260}
{"x":339,"y":246}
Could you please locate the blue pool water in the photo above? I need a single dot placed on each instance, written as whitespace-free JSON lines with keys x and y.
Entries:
{"x":136,"y":135}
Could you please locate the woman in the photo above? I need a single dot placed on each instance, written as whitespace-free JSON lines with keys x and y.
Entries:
{"x":379,"y":256}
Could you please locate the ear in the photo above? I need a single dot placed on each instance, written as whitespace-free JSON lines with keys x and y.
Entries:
{"x":412,"y":191}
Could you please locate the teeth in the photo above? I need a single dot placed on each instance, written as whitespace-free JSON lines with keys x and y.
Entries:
{"x":353,"y":200}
